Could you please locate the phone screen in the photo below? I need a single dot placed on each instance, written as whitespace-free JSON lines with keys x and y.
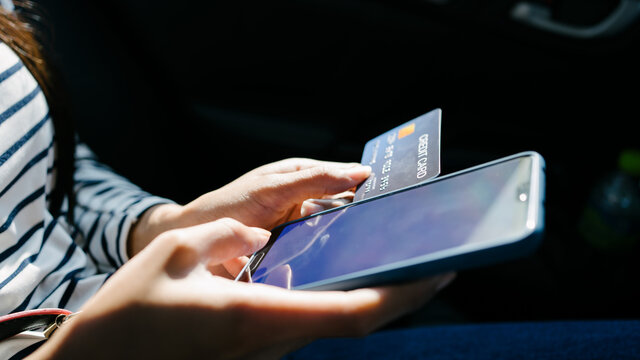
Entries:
{"x":487,"y":204}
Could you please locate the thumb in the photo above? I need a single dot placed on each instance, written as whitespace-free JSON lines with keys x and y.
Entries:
{"x":212,"y":243}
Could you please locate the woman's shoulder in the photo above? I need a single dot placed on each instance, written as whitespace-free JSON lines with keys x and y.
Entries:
{"x":9,"y":61}
{"x":24,"y":112}
{"x":18,"y":87}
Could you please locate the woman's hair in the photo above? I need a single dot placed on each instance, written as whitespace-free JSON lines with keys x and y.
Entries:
{"x":24,"y":31}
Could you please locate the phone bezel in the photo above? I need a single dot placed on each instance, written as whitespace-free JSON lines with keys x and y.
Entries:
{"x":433,"y":262}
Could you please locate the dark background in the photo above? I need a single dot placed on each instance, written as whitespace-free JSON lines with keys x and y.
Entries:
{"x":183,"y":97}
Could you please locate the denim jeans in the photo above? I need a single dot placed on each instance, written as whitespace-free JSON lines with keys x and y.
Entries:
{"x":592,"y":339}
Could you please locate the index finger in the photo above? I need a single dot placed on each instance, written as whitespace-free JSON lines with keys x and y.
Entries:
{"x":297,"y":164}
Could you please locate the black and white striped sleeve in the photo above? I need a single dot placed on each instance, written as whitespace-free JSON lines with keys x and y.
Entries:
{"x":41,"y":266}
{"x":107,"y":205}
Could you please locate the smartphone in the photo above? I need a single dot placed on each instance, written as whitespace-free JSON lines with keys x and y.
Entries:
{"x":479,"y":216}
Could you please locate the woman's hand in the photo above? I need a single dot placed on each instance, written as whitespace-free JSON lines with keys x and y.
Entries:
{"x":164,"y":303}
{"x":264,"y":197}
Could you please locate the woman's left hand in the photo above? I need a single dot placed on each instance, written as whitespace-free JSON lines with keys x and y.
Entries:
{"x":264,"y":197}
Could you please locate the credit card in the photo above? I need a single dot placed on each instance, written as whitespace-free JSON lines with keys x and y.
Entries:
{"x":406,"y":155}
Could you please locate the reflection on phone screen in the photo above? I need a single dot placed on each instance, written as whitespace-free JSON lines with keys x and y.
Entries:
{"x":481,"y":205}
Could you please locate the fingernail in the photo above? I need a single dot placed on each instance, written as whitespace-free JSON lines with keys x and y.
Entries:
{"x":445,"y":280}
{"x":310,"y":207}
{"x":358,"y":172}
{"x":265,"y":234}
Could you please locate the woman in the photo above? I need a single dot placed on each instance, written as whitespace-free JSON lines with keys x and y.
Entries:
{"x":151,"y":277}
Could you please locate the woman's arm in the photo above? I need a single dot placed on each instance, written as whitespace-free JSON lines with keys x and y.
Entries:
{"x":165,"y":303}
{"x":264,"y":197}
{"x":107,"y":206}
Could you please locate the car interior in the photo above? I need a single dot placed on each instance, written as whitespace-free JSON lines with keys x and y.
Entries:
{"x":184,"y":97}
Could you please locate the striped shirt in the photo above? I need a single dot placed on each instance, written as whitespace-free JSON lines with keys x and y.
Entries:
{"x":44,"y":261}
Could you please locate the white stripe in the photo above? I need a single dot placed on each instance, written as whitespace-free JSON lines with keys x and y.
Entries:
{"x":85,"y":288}
{"x":21,"y":122}
{"x":15,"y":88}
{"x":7,"y":57}
{"x":25,"y":218}
{"x":51,"y":256}
{"x":16,"y":290}
{"x":13,"y":345}
{"x":95,"y":248}
{"x":35,"y":177}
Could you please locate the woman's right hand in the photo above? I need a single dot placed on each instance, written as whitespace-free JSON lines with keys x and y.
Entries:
{"x":167,"y":303}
